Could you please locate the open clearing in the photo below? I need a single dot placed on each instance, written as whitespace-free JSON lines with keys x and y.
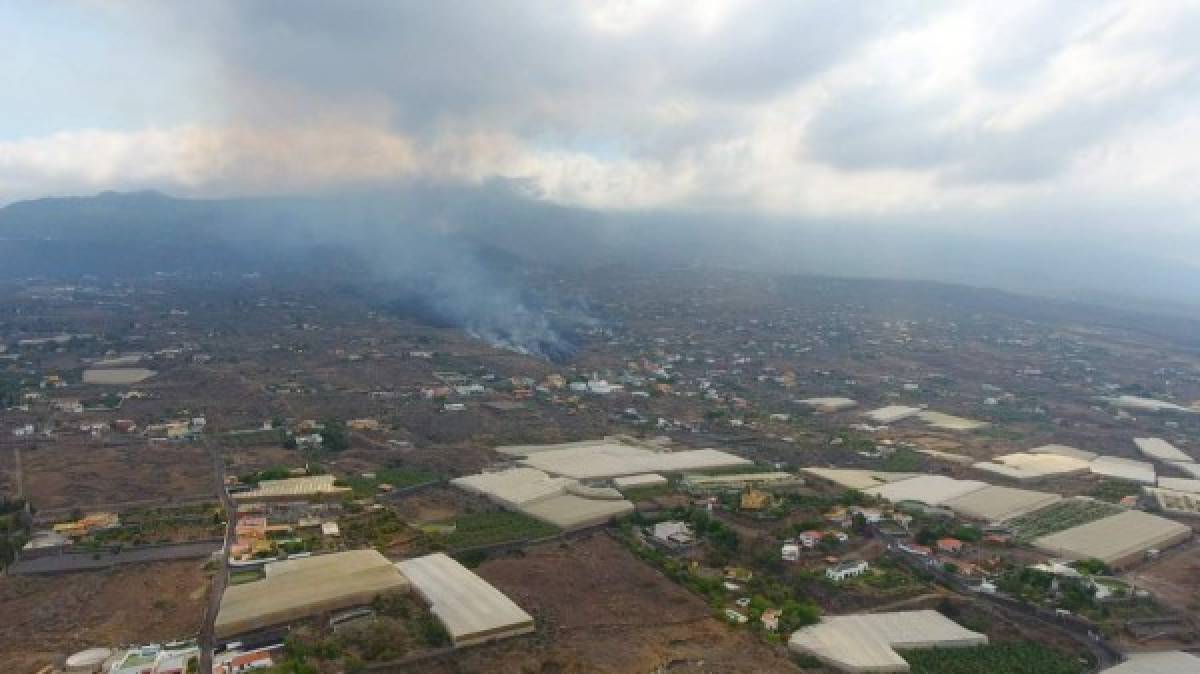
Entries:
{"x":68,"y":476}
{"x":599,"y":609}
{"x":1171,"y":577}
{"x":47,"y":617}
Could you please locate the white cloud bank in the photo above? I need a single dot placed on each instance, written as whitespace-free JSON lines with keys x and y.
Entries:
{"x":822,"y":109}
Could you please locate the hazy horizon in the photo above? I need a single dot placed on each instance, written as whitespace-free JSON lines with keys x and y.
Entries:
{"x":1044,"y":147}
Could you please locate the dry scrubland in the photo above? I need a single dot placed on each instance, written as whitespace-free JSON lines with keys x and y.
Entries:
{"x":80,"y":475}
{"x":44,"y":617}
{"x":599,"y":609}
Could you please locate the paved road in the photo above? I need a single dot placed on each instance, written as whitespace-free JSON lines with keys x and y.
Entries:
{"x":221,"y":577}
{"x":1078,"y":630}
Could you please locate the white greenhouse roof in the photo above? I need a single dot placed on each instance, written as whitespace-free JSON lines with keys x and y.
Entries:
{"x":928,"y":489}
{"x":470,"y":608}
{"x":868,"y":642}
{"x":1157,"y":448}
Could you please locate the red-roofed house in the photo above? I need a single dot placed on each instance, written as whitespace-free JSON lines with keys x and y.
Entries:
{"x":950,"y":545}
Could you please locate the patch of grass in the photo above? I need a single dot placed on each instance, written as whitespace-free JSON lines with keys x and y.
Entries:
{"x":478,"y":529}
{"x":398,"y":478}
{"x":646,"y":493}
{"x":1113,"y":490}
{"x":993,"y":658}
{"x":1060,"y":516}
{"x":245,"y":576}
{"x":903,"y":461}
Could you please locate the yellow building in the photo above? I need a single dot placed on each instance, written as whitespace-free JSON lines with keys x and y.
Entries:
{"x":88,"y":524}
{"x":363,"y":424}
{"x":756,"y":500}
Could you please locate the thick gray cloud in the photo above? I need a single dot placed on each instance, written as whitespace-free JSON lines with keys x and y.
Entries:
{"x":1002,"y":121}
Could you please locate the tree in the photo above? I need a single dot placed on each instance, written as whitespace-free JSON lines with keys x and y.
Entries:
{"x":858,"y":523}
{"x":794,"y":615}
{"x":333,"y":436}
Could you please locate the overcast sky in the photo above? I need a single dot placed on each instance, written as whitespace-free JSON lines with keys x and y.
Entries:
{"x":1081,"y":118}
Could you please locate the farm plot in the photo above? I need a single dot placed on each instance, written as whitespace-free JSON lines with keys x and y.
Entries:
{"x":1016,"y":657}
{"x":478,"y":529}
{"x":1060,"y":516}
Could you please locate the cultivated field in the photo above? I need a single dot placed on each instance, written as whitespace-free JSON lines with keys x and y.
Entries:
{"x":1061,"y":516}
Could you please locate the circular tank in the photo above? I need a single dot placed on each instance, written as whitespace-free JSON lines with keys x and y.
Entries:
{"x":89,"y":660}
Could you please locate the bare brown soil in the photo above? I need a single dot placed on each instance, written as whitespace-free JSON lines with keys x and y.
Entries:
{"x":49,"y":617}
{"x":432,"y":505}
{"x":1172,"y":578}
{"x":70,"y":476}
{"x":599,"y":609}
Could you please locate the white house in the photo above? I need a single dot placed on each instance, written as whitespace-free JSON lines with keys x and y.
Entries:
{"x":790,"y":552}
{"x":309,"y":440}
{"x":871,"y":515}
{"x":674,"y":533}
{"x":846,"y":569}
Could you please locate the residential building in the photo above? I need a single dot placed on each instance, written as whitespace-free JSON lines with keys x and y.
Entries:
{"x":950,"y":545}
{"x":674,"y":533}
{"x":846,"y":569}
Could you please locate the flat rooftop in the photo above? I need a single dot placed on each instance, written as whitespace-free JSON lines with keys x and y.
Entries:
{"x":853,"y":478}
{"x":310,"y":486}
{"x":1180,"y":484}
{"x":1123,"y":469}
{"x":560,"y":501}
{"x":950,"y":422}
{"x":741,"y":478}
{"x":928,"y":489}
{"x":116,"y":376}
{"x":1174,"y":662}
{"x":298,"y":588}
{"x":569,"y":511}
{"x":1116,"y":539}
{"x":1064,"y":450}
{"x":471,"y":610}
{"x":830,"y":404}
{"x":892,"y":413}
{"x":614,"y":459}
{"x":643,"y":480}
{"x":1033,"y":465}
{"x":996,"y":504}
{"x":514,"y":486}
{"x":1148,"y":404}
{"x":868,"y":642}
{"x":1157,"y":448}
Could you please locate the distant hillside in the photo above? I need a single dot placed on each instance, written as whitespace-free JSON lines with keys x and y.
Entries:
{"x":498,"y":223}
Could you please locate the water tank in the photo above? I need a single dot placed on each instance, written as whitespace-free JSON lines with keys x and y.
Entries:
{"x":91,"y":660}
